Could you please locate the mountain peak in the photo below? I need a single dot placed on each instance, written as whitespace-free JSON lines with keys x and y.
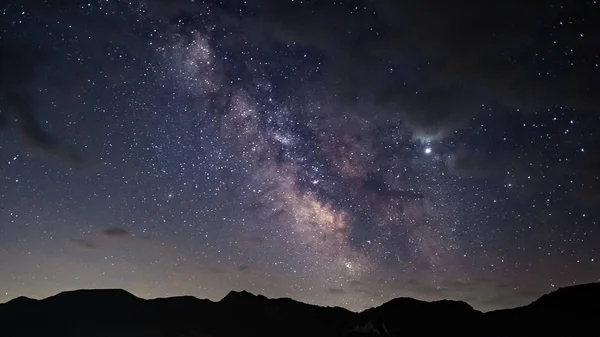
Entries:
{"x":95,"y":295}
{"x":21,"y":300}
{"x":242,"y":296}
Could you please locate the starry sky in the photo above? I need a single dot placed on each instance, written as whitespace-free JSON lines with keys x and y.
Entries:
{"x":335,"y":152}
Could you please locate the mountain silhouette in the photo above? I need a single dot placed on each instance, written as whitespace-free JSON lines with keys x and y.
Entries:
{"x":570,"y":311}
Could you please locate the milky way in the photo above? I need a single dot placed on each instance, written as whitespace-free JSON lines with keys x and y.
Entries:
{"x":337,"y":153}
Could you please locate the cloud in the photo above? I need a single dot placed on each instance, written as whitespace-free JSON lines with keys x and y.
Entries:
{"x":522,"y":160}
{"x":258,"y":241}
{"x":336,"y":291}
{"x":243,"y":268}
{"x":88,"y":244}
{"x":116,"y":232}
{"x":29,"y":61}
{"x":431,"y":64}
{"x":19,"y":65}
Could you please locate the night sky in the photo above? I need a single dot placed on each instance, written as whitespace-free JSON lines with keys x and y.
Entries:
{"x":335,"y":152}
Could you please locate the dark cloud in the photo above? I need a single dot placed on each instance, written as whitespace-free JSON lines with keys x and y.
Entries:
{"x":116,"y":232}
{"x":84,"y":243}
{"x":336,"y":291}
{"x":28,"y":64}
{"x":431,"y":63}
{"x":485,"y":165}
{"x":528,"y":160}
{"x":258,"y":241}
{"x":19,"y":65}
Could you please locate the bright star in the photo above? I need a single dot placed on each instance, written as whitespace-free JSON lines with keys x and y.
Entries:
{"x":428,"y":150}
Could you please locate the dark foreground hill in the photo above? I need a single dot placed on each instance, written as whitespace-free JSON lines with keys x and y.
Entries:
{"x":571,"y":311}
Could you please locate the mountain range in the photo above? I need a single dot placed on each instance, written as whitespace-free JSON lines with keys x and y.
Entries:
{"x":569,"y":311}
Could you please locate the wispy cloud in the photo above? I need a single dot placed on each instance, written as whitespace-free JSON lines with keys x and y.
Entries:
{"x":116,"y":232}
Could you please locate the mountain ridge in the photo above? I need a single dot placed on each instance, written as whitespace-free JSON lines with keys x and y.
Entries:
{"x":230,"y":295}
{"x":116,"y":312}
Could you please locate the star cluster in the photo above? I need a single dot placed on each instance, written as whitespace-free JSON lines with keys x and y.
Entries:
{"x":339,"y":153}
